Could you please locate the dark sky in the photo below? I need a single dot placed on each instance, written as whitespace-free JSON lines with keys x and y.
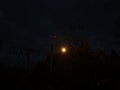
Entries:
{"x":31,"y":23}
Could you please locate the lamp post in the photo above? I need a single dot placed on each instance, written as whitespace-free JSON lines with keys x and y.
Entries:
{"x":63,"y":50}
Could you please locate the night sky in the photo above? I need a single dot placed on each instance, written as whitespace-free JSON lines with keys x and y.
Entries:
{"x":32,"y":23}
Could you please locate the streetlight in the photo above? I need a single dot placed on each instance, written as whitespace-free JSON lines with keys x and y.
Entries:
{"x":63,"y":49}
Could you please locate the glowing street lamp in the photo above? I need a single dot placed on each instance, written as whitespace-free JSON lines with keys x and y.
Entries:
{"x":63,"y":49}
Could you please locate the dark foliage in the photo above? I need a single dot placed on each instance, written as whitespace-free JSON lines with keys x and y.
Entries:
{"x":83,"y":69}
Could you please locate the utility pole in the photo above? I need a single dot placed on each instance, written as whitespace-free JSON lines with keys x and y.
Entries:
{"x":51,"y":57}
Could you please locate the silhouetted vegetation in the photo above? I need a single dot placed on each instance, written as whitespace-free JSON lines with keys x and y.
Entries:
{"x":82,"y":68}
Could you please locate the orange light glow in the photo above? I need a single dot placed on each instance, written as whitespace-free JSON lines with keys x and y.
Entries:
{"x":63,"y":49}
